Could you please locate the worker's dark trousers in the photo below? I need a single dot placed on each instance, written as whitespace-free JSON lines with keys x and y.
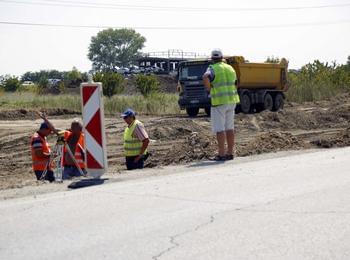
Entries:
{"x":49,"y":175}
{"x":130,"y":165}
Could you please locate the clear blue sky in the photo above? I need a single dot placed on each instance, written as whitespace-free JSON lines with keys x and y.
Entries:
{"x":257,"y":29}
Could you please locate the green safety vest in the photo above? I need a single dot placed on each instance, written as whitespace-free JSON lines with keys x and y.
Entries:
{"x":132,"y":145}
{"x":223,"y":90}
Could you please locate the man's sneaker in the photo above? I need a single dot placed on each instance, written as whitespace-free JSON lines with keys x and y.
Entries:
{"x":229,"y":157}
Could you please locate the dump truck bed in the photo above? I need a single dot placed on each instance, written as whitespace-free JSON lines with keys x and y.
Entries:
{"x":260,"y":75}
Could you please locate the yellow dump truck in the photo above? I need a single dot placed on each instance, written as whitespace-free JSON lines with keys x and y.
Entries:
{"x":261,"y":86}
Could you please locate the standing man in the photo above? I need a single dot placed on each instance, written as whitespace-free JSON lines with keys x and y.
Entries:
{"x":41,"y":152}
{"x":135,"y":141}
{"x":220,"y":79}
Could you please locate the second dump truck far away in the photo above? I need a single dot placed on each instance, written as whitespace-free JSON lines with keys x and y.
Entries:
{"x":261,"y":86}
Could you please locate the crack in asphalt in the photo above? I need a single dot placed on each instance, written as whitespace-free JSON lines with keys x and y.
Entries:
{"x":249,"y":208}
{"x":172,"y":239}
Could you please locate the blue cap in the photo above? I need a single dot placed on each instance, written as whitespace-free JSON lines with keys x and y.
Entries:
{"x":128,"y":112}
{"x":44,"y":126}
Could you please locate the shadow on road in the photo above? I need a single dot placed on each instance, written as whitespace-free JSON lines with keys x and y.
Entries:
{"x":86,"y":183}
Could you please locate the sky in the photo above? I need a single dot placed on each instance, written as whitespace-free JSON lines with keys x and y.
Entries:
{"x":300,"y":31}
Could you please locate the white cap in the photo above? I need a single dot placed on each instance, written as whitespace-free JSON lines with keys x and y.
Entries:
{"x":216,"y":54}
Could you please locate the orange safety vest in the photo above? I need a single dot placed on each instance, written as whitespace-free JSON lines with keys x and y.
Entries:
{"x":40,"y":163}
{"x":79,"y":150}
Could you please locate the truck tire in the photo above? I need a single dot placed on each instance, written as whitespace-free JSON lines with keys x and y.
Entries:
{"x":192,"y":111}
{"x":278,"y":102}
{"x":246,"y":103}
{"x":207,"y":111}
{"x":268,"y":102}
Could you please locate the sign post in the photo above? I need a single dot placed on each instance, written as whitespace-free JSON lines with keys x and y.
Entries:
{"x":94,"y":128}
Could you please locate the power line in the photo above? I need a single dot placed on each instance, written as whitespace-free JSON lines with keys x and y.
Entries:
{"x":193,"y":28}
{"x":82,"y":4}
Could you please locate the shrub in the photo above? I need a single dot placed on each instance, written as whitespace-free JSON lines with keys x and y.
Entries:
{"x":147,"y":84}
{"x":112,"y":83}
{"x":43,"y":85}
{"x":11,"y":84}
{"x":316,"y":81}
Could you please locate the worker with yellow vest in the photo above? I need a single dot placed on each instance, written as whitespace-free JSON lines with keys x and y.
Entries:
{"x":74,"y":139}
{"x":41,"y":152}
{"x":220,"y":81}
{"x":136,"y":141}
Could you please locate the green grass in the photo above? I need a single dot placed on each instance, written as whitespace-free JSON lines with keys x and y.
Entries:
{"x":157,"y":104}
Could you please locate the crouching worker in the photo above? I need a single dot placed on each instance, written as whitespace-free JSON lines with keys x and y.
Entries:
{"x":41,"y":152}
{"x":74,"y":140}
{"x":74,"y":149}
{"x":135,"y":141}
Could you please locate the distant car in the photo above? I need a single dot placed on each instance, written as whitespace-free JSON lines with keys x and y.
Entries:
{"x":135,"y":70}
{"x":123,"y":71}
{"x":54,"y":82}
{"x":28,"y":83}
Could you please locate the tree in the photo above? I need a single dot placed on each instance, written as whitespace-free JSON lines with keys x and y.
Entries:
{"x":114,"y":47}
{"x":272,"y":59}
{"x":112,"y":83}
{"x":36,"y":76}
{"x":147,"y":84}
{"x":11,"y":84}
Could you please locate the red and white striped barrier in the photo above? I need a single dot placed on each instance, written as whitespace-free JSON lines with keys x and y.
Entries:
{"x":94,"y":128}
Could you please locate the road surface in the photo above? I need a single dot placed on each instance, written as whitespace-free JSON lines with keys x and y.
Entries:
{"x":294,"y":207}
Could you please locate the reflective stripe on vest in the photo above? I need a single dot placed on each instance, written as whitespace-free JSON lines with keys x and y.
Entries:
{"x":132,"y":145}
{"x":223,"y":90}
{"x":40,"y":163}
{"x":78,"y":148}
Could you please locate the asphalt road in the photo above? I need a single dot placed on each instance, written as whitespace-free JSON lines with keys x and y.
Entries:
{"x":294,"y":207}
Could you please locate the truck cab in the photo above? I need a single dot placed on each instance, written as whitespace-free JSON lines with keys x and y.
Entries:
{"x":192,"y":93}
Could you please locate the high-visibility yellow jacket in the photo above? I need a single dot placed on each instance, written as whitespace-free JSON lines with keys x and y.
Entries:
{"x":132,"y":145}
{"x":223,"y":90}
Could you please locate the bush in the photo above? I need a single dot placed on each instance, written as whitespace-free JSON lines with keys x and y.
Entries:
{"x":11,"y":84}
{"x":147,"y":84}
{"x":316,"y":81}
{"x":43,"y":85}
{"x":112,"y":83}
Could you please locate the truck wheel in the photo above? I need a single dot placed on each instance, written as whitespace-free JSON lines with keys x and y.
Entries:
{"x":246,"y":103}
{"x":192,"y":111}
{"x":268,"y":102}
{"x":207,"y":111}
{"x":278,"y":102}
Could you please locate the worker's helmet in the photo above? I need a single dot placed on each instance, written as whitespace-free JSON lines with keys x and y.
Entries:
{"x":216,"y":54}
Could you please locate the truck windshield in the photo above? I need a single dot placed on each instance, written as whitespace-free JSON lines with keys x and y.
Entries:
{"x":192,"y":71}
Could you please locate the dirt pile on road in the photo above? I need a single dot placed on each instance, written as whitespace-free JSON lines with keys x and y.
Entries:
{"x":271,"y":142}
{"x":341,"y":139}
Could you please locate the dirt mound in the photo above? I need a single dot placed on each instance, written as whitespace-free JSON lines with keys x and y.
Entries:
{"x":271,"y":142}
{"x":195,"y":147}
{"x":341,"y":139}
{"x":301,"y":117}
{"x":19,"y":114}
